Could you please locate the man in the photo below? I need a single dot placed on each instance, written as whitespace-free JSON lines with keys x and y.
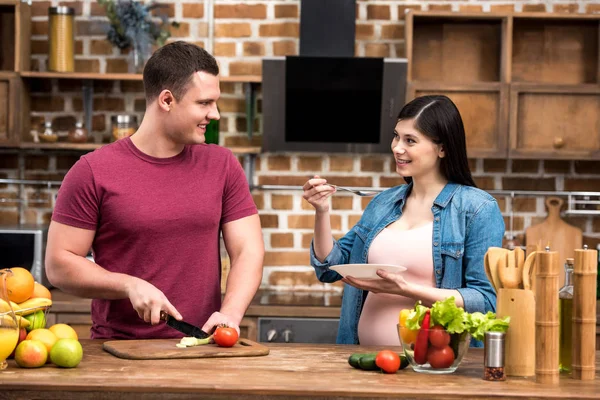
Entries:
{"x":151,"y":207}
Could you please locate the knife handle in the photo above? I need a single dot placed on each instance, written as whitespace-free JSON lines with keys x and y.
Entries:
{"x":164,"y":316}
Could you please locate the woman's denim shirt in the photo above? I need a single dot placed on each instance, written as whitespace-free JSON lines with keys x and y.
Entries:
{"x":466,"y":222}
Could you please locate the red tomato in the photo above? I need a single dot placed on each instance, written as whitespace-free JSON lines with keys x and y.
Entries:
{"x":225,"y":336}
{"x":388,"y":361}
{"x":438,"y":337}
{"x":440,"y":358}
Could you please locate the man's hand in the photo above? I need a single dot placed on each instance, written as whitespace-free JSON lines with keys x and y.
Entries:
{"x":217,"y":319}
{"x":148,"y":301}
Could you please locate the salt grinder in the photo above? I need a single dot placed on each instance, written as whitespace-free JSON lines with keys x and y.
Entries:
{"x":546,"y":317}
{"x":584,"y":314}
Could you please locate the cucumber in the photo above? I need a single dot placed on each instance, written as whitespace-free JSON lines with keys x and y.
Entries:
{"x":367,"y":362}
{"x":353,"y":359}
{"x":403,"y":361}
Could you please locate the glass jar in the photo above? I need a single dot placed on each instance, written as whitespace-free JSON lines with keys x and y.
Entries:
{"x":123,"y":126}
{"x":48,"y":135}
{"x":78,"y":134}
{"x":61,"y":57}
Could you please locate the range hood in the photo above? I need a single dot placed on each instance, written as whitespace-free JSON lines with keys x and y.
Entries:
{"x":327,"y":28}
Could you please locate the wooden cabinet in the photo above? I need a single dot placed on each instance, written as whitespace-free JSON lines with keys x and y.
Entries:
{"x":526,"y":84}
{"x":483,"y":110}
{"x":10,"y":108}
{"x":14,"y":57}
{"x":554,"y":121}
{"x":15,"y":34}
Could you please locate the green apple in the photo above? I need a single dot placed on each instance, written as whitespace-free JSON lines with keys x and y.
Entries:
{"x":36,"y":320}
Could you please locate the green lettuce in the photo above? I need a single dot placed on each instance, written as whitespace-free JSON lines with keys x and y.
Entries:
{"x":415,"y":318}
{"x":448,"y":315}
{"x":455,"y":320}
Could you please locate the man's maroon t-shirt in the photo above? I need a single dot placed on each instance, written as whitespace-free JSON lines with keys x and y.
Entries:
{"x":157,"y":219}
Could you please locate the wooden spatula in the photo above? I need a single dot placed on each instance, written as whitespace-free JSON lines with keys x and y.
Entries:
{"x":509,"y":272}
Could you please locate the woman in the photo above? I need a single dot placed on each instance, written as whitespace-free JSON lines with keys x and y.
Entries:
{"x":438,"y":225}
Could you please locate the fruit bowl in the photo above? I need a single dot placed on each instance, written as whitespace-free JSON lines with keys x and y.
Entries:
{"x":442,"y":353}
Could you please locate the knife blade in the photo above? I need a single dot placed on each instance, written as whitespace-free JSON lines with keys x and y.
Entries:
{"x":183,"y":327}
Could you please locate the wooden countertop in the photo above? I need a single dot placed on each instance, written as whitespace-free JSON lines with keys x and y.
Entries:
{"x":289,"y":370}
{"x":265,"y":304}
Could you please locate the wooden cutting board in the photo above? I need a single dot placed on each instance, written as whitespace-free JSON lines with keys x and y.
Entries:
{"x":156,"y":349}
{"x":556,"y":233}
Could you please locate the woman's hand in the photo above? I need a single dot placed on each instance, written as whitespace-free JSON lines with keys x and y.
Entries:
{"x":391,"y":283}
{"x":317,"y":193}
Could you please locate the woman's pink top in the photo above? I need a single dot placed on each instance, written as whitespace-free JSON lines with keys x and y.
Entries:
{"x":411,"y":249}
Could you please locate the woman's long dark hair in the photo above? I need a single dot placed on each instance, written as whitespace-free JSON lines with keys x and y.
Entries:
{"x":438,"y":118}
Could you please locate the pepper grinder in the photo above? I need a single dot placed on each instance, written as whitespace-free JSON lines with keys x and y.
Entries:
{"x":584,"y":314}
{"x":546,"y":317}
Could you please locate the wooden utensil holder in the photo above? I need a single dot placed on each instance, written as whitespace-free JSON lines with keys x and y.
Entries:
{"x":519,"y":305}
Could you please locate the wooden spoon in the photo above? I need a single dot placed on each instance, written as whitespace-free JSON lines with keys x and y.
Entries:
{"x":495,"y":254}
{"x":528,"y":271}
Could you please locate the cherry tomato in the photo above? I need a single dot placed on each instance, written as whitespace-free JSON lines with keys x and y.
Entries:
{"x":438,"y":337}
{"x":440,"y":358}
{"x":388,"y":361}
{"x":225,"y":336}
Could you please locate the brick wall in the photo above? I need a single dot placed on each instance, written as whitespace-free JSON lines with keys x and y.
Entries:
{"x":239,"y":35}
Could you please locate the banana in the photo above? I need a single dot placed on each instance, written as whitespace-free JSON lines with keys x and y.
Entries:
{"x":32,"y":305}
{"x":8,"y":321}
{"x":4,"y":306}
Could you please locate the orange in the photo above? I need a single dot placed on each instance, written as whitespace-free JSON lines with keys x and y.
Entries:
{"x":40,"y":290}
{"x":45,"y":336}
{"x":31,"y":354}
{"x":19,"y":284}
{"x":63,"y":331}
{"x":408,"y":336}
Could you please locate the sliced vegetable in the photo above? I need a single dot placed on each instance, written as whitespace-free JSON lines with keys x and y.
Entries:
{"x":422,"y":340}
{"x":189,"y":341}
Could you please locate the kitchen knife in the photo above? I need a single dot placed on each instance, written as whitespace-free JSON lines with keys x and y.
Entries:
{"x":184,"y":327}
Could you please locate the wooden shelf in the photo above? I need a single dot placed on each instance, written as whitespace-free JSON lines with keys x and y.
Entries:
{"x":121,"y":77}
{"x":452,"y":47}
{"x":556,"y":50}
{"x":94,"y":146}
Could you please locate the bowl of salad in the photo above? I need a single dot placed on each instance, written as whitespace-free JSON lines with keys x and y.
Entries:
{"x":435,"y":339}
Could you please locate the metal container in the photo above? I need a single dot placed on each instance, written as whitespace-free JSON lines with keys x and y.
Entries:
{"x":61,"y":37}
{"x":123,"y":126}
{"x":493,"y":359}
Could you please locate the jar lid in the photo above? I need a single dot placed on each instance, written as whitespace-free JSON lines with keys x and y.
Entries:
{"x":61,"y":10}
{"x":123,"y":119}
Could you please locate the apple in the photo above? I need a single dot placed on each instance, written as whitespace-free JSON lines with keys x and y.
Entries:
{"x":37,"y":320}
{"x":22,"y":336}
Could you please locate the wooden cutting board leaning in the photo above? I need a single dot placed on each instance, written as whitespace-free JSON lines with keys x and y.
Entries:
{"x":156,"y":349}
{"x":556,"y":233}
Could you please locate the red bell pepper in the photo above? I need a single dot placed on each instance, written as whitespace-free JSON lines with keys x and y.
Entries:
{"x":422,"y":340}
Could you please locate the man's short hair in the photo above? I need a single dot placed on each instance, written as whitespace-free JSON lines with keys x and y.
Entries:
{"x":171,"y":67}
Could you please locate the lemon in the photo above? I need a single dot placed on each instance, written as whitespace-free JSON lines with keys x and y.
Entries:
{"x":66,"y":353}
